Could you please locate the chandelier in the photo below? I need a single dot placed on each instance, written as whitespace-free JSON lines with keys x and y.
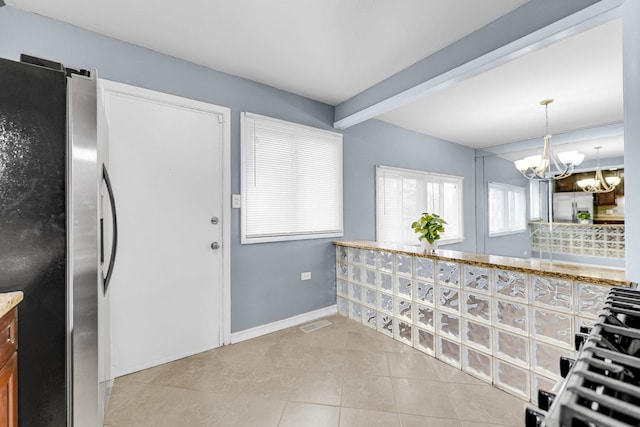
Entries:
{"x":598,"y":184}
{"x":537,"y":167}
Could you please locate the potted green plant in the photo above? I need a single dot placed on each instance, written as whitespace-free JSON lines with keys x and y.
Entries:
{"x":584,"y":217}
{"x":429,"y":227}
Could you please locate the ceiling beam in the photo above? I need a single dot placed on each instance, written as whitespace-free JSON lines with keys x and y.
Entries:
{"x":533,"y":26}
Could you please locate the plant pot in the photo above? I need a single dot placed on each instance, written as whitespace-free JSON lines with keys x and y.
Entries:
{"x":424,"y":243}
{"x":584,"y":221}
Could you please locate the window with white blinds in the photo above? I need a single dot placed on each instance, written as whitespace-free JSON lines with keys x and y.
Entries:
{"x":291,"y":181}
{"x":507,"y":209}
{"x":535,"y":203}
{"x":402,"y":195}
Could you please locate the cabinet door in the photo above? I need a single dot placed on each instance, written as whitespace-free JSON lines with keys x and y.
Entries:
{"x":8,"y":336}
{"x":9,"y":393}
{"x":564,"y":184}
{"x":606,"y":199}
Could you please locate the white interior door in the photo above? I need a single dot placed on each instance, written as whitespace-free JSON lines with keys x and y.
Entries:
{"x":165,"y":160}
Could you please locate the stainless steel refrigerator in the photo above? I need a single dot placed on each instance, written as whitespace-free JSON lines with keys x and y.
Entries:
{"x":567,"y":205}
{"x":51,"y":185}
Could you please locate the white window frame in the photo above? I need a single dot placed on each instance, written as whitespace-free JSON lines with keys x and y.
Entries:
{"x":535,"y":202}
{"x":295,"y":132}
{"x":506,"y":189}
{"x":409,"y":237}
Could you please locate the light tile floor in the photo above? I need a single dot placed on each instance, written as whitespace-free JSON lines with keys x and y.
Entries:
{"x":343,"y":375}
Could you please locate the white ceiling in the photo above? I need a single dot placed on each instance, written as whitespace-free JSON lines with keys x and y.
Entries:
{"x":327,"y":50}
{"x":331,"y":50}
{"x":583,"y":74}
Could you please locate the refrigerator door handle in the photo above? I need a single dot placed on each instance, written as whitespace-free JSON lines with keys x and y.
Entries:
{"x":114,"y":245}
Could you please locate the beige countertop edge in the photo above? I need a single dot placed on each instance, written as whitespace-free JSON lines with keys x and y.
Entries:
{"x":587,"y":274}
{"x":8,"y":300}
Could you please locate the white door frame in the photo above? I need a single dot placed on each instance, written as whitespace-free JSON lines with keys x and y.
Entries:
{"x":224,"y":113}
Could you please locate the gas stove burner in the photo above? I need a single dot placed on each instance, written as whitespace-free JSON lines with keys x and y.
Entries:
{"x":602,"y":386}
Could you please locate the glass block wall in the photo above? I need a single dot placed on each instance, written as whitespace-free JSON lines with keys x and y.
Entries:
{"x":504,"y":327}
{"x":578,"y":239}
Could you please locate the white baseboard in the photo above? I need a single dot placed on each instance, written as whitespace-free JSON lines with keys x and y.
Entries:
{"x":300,"y":319}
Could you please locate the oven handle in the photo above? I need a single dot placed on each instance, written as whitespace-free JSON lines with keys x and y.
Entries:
{"x":114,"y":245}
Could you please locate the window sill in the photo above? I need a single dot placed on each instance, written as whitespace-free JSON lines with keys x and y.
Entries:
{"x":450,"y":241}
{"x":440,"y":242}
{"x":506,"y":233}
{"x":287,"y":238}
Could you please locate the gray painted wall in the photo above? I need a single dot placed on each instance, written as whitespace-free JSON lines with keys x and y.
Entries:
{"x":631,"y":82}
{"x":265,"y":278}
{"x":377,"y":143}
{"x":494,"y":169}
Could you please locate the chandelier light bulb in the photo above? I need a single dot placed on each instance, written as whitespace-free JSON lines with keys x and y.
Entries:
{"x":612,"y":180}
{"x":522,"y":165}
{"x":567,"y":157}
{"x":571,"y":158}
{"x":589,"y":182}
{"x":533,"y":161}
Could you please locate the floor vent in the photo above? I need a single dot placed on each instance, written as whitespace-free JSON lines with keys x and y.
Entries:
{"x":315,"y":326}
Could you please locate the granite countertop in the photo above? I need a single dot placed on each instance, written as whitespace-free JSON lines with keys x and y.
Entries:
{"x":584,"y":273}
{"x":577,"y":224}
{"x":8,"y":300}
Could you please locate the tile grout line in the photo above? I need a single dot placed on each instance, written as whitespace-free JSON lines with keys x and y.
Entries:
{"x":393,"y":389}
{"x":284,"y":409}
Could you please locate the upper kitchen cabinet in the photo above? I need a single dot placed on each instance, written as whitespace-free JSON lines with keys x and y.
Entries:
{"x":565,"y":184}
{"x":605,"y":199}
{"x":568,"y":184}
{"x":610,"y":198}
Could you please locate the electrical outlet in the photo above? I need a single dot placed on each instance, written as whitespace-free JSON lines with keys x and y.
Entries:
{"x":305,"y":276}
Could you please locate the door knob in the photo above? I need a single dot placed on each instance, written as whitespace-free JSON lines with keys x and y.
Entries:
{"x":215,"y":245}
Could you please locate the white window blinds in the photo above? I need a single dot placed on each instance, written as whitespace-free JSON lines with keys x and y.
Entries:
{"x":535,"y":203}
{"x":507,"y":209}
{"x":402,"y":195}
{"x":291,"y":181}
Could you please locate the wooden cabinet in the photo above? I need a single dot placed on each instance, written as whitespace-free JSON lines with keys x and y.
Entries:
{"x":564,"y":184}
{"x":570,"y":183}
{"x":620,"y":187}
{"x":9,"y":370}
{"x":605,"y":199}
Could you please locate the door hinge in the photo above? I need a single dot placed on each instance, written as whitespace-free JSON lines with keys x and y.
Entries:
{"x":220,"y":118}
